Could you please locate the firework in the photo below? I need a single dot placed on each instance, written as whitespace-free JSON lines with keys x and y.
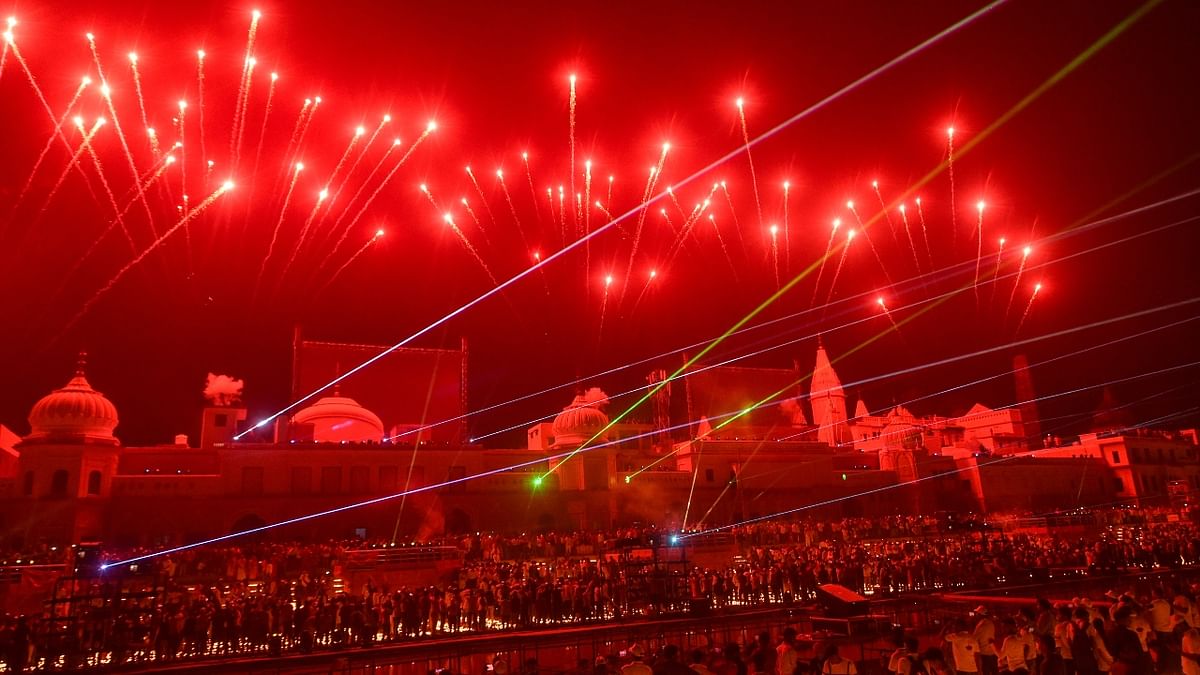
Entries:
{"x":908,"y":235}
{"x":338,"y":272}
{"x":608,"y":281}
{"x":950,"y":175}
{"x":775,"y":252}
{"x":537,"y":211}
{"x":887,"y":214}
{"x":287,"y":198}
{"x":1028,"y":307}
{"x":996,"y":273}
{"x":108,"y":286}
{"x":106,"y":94}
{"x":1017,"y":281}
{"x":924,"y":232}
{"x":483,"y":198}
{"x":979,"y":255}
{"x":449,"y":219}
{"x":610,"y":189}
{"x":712,"y":218}
{"x":870,"y":243}
{"x":787,"y":235}
{"x":737,"y":227}
{"x":571,"y":113}
{"x":429,"y":129}
{"x":470,"y":212}
{"x":367,"y":181}
{"x":137,"y":88}
{"x":841,"y":263}
{"x":749,"y":158}
{"x":512,"y":207}
{"x":83,"y":84}
{"x":200,"y":54}
{"x":837,"y":222}
{"x":243,"y":94}
{"x":886,"y":312}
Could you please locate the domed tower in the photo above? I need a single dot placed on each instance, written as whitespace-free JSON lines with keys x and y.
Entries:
{"x":70,"y":454}
{"x":583,"y":422}
{"x":338,"y":419}
{"x":828,"y":402}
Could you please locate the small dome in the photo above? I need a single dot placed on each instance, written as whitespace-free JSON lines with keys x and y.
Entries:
{"x":338,"y":418}
{"x":74,"y":414}
{"x":581,"y":420}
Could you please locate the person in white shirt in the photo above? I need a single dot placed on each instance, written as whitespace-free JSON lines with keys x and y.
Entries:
{"x":964,"y":650}
{"x":835,"y":664}
{"x":985,"y":635}
{"x":786,"y":654}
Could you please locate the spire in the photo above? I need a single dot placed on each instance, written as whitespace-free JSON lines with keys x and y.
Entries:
{"x":825,"y":381}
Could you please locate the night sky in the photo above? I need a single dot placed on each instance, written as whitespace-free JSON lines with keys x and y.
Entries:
{"x":1116,"y":133}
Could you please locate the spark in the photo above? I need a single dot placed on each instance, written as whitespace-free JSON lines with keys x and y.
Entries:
{"x":571,"y":114}
{"x":86,"y":144}
{"x":950,"y":174}
{"x":241,"y":125}
{"x":349,"y":261}
{"x":83,"y":84}
{"x":908,"y":234}
{"x":262,"y":132}
{"x":470,"y":211}
{"x":532,"y":192}
{"x":924,"y":232}
{"x":884,"y":308}
{"x":482,"y":198}
{"x":243,"y":94}
{"x":1017,"y":281}
{"x":182,"y":223}
{"x":289,"y":154}
{"x":737,"y":227}
{"x":787,"y":235}
{"x":429,"y":129}
{"x":775,"y":252}
{"x":841,"y":263}
{"x":887,"y":214}
{"x":112,"y":111}
{"x":512,"y":208}
{"x":608,"y":201}
{"x":996,"y":273}
{"x":287,"y":198}
{"x":721,"y":240}
{"x":867,"y":236}
{"x":608,"y":281}
{"x":837,"y":222}
{"x":200,"y":54}
{"x":449,"y":219}
{"x":750,"y":159}
{"x":1037,"y":288}
{"x":367,"y":181}
{"x":137,"y":87}
{"x":979,"y":255}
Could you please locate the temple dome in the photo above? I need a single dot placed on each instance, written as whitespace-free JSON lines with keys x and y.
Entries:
{"x":77,"y":413}
{"x":338,"y":418}
{"x":581,"y":420}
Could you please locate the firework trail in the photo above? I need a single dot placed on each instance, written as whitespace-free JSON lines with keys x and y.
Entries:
{"x":86,"y":144}
{"x":180,"y":121}
{"x":888,"y":313}
{"x":182,"y":223}
{"x":1036,"y":288}
{"x":157,"y":172}
{"x":429,"y":129}
{"x":837,"y":222}
{"x":106,"y":94}
{"x":74,"y":161}
{"x":737,"y":227}
{"x":200,"y":103}
{"x":429,"y":195}
{"x":587,"y":197}
{"x":137,"y":87}
{"x":470,"y":249}
{"x":333,"y":277}
{"x":358,"y":160}
{"x":887,"y":214}
{"x":471,"y":212}
{"x":367,"y":181}
{"x":979,"y":254}
{"x":670,"y":224}
{"x":304,"y":230}
{"x":287,"y":198}
{"x":867,"y":236}
{"x":241,"y":128}
{"x":775,"y":253}
{"x":645,"y":287}
{"x":721,"y":240}
{"x":358,"y":133}
{"x":1017,"y":281}
{"x":996,"y":273}
{"x":674,"y":200}
{"x":750,"y":159}
{"x":608,"y":280}
{"x":787,"y":235}
{"x":608,"y":202}
{"x":562,"y":212}
{"x":483,"y":198}
{"x":908,"y":233}
{"x":305,"y":125}
{"x":637,"y":232}
{"x":262,"y":132}
{"x":841,"y":263}
{"x":537,"y":210}
{"x":512,"y":208}
{"x":243,"y":94}
{"x":571,"y":114}
{"x":152,"y":136}
{"x":291,"y":146}
{"x":50,"y":141}
{"x":950,"y":174}
{"x":924,"y":232}
{"x":550,"y":198}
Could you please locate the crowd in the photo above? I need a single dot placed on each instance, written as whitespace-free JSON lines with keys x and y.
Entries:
{"x":270,"y":598}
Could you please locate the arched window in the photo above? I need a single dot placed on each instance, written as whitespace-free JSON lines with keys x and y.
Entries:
{"x":93,"y":487}
{"x":58,"y":483}
{"x":27,"y":488}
